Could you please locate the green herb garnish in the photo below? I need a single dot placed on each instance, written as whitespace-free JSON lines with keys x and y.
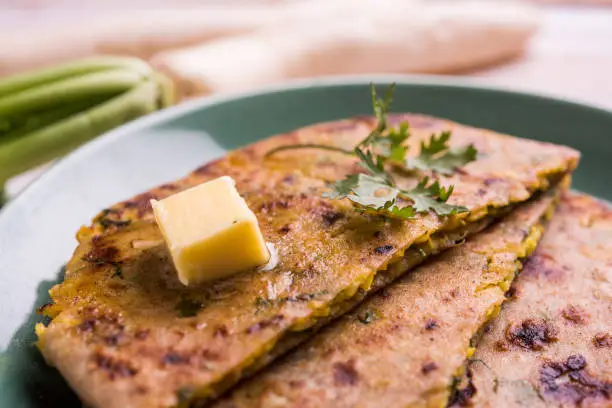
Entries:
{"x":374,"y":190}
{"x":386,"y":143}
{"x":188,"y":308}
{"x":107,"y":222}
{"x":262,"y":303}
{"x":185,"y":395}
{"x":438,"y":156}
{"x":367,"y":317}
{"x":117,"y":272}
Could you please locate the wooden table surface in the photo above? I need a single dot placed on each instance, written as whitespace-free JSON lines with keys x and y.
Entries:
{"x":570,"y":57}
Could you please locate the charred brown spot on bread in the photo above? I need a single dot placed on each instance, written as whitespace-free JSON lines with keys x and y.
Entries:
{"x":383,"y":249}
{"x":345,"y":373}
{"x":428,"y":367}
{"x":114,"y":367}
{"x":114,"y":339}
{"x":602,"y":340}
{"x":170,"y":187}
{"x":210,"y":355}
{"x":274,"y":320}
{"x":462,"y":396}
{"x":531,"y":334}
{"x":511,"y":293}
{"x":141,"y":203}
{"x":87,"y":325}
{"x":102,"y":254}
{"x":290,"y":179}
{"x":501,"y":345}
{"x":275,"y":204}
{"x":296,"y":383}
{"x":285,"y":229}
{"x":575,"y":362}
{"x":575,"y":315}
{"x":102,"y":327}
{"x":542,"y":265}
{"x":43,"y":309}
{"x":431,"y":324}
{"x":568,"y":382}
{"x":489,"y":181}
{"x":174,"y":358}
{"x":331,"y":217}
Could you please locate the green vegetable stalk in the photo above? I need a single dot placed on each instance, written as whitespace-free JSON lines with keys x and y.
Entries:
{"x":33,"y":79}
{"x":47,"y":113}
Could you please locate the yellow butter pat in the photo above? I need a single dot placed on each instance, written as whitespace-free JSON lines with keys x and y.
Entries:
{"x":210,"y":231}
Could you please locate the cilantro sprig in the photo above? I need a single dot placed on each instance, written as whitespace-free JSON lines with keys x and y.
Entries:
{"x":374,"y":189}
{"x":386,"y":143}
{"x":439,"y":157}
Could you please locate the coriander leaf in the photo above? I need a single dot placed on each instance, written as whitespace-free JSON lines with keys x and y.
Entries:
{"x":370,"y":193}
{"x":342,"y":188}
{"x":390,"y":146}
{"x":455,"y":158}
{"x":373,"y":192}
{"x":374,"y":166}
{"x":435,"y":145}
{"x":432,"y":197}
{"x":363,"y":189}
{"x":396,"y":151}
{"x":404,"y":212}
{"x":386,"y":145}
{"x":438,"y":156}
{"x":381,"y":107}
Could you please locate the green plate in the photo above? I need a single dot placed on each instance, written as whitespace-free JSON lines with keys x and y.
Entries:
{"x":37,"y":228}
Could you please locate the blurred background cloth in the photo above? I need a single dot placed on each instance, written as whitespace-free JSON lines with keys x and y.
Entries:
{"x":561,"y":48}
{"x":569,"y":53}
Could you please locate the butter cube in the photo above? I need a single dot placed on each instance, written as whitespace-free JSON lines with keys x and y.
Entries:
{"x":210,"y":231}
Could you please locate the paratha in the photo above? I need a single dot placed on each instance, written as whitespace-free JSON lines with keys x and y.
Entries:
{"x":125,"y":332}
{"x":403,"y":346}
{"x":551,"y":345}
